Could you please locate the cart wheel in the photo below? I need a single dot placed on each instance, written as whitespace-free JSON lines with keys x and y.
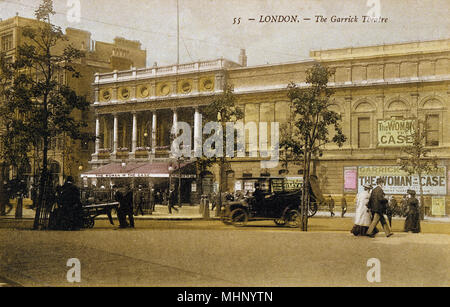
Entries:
{"x":89,"y":223}
{"x":312,"y":209}
{"x":294,"y":219}
{"x":239,"y":217}
{"x":280,"y":222}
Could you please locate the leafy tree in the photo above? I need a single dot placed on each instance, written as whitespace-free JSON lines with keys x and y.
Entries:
{"x":415,"y":159}
{"x":45,"y":104}
{"x":291,"y":146}
{"x":223,"y":109}
{"x":313,"y":120}
{"x":5,"y":79}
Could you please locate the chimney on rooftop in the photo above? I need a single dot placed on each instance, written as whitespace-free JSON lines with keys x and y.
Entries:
{"x":243,"y":58}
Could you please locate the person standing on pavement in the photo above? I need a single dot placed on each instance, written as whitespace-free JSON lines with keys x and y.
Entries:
{"x":404,"y":205}
{"x":172,"y":200}
{"x":8,"y":196}
{"x":69,"y":198}
{"x":152,"y":199}
{"x":390,"y":210}
{"x":119,"y":197}
{"x":139,"y":201}
{"x":331,"y":205}
{"x":343,"y":205}
{"x":377,"y":205}
{"x":412,"y":221}
{"x":128,"y":208}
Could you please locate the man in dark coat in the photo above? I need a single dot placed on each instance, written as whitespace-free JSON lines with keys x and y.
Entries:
{"x":71,"y":205}
{"x":172,"y":199}
{"x":119,"y":197}
{"x":377,"y":205}
{"x":128,"y":207}
{"x":140,"y":199}
{"x":412,"y":221}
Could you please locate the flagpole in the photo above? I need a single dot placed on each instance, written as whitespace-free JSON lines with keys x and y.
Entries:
{"x":178,"y":34}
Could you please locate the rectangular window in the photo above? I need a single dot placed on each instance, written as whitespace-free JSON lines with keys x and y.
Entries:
{"x":7,"y":42}
{"x":364,"y":132}
{"x":432,"y":124}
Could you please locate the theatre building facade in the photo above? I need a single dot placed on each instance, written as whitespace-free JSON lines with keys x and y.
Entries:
{"x":380,"y":92}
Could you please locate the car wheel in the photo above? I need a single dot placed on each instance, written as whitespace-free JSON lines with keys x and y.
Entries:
{"x":239,"y":217}
{"x":294,"y":219}
{"x":280,"y":222}
{"x":225,"y":219}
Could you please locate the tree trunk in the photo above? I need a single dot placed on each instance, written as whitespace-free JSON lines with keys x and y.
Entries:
{"x":42,"y":185}
{"x":221,"y":166}
{"x":305,"y":191}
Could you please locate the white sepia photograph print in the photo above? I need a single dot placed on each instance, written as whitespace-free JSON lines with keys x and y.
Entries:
{"x":224,"y":151}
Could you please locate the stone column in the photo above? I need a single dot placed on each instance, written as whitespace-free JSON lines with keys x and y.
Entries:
{"x":174,"y":130}
{"x":174,"y":122}
{"x":197,"y":133}
{"x":116,"y":133}
{"x":154,"y":118}
{"x":134,"y":134}
{"x":97,"y":134}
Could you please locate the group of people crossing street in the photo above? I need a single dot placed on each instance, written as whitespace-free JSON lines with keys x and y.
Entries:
{"x":372,"y":206}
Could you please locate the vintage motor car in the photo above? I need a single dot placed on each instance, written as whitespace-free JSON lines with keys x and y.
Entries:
{"x":279,"y":202}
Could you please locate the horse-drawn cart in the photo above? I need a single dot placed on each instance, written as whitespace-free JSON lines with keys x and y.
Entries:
{"x":90,"y":212}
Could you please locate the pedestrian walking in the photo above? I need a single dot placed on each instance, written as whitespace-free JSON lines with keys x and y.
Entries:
{"x":343,"y":205}
{"x":377,"y":205}
{"x":139,"y":199}
{"x":362,"y":214}
{"x":412,"y":221}
{"x":214,"y":199}
{"x":172,"y":201}
{"x":152,"y":199}
{"x":331,"y":205}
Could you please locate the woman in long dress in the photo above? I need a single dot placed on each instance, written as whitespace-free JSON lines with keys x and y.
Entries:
{"x":362,"y":214}
{"x":412,"y":221}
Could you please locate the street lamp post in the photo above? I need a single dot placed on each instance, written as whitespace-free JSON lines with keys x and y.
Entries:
{"x":180,"y":160}
{"x":170,"y":176}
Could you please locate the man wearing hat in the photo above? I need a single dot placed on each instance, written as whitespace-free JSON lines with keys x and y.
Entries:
{"x":377,"y":205}
{"x":71,"y":205}
{"x":412,"y":221}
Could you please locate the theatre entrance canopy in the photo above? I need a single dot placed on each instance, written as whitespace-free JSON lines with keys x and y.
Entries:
{"x":143,"y":170}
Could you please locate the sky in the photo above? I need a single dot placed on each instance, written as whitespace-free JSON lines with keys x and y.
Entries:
{"x":207,"y":31}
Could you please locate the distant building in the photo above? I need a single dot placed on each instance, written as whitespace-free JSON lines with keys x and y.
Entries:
{"x":67,"y":157}
{"x":135,"y":110}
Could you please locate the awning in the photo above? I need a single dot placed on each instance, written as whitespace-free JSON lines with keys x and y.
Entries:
{"x":141,"y":170}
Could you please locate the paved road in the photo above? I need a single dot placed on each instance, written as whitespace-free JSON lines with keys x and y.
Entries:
{"x":207,"y":253}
